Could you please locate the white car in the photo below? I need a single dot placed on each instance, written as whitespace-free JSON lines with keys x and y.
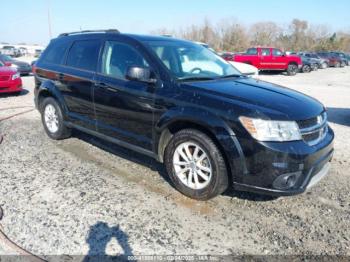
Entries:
{"x":246,"y":69}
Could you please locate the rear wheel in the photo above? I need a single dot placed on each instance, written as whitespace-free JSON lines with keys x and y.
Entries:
{"x":292,"y":69}
{"x":52,"y":119}
{"x":342,"y":64}
{"x":196,"y":165}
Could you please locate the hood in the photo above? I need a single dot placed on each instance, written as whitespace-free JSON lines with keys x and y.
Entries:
{"x":262,"y":96}
{"x":19,"y":63}
{"x":6,"y":70}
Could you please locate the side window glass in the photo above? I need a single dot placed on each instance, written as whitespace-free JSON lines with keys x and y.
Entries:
{"x":56,"y":53}
{"x":265,"y":52}
{"x":118,"y":57}
{"x":252,"y":51}
{"x":84,"y":54}
{"x":277,"y":52}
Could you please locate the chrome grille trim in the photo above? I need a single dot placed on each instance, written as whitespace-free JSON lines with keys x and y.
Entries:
{"x":320,"y":129}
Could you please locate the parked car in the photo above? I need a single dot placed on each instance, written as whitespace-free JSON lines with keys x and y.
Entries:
{"x":344,"y":58}
{"x":213,"y":129}
{"x":10,"y":80}
{"x":23,"y":51}
{"x":22,"y":67}
{"x":38,"y":52}
{"x":308,"y":64}
{"x":245,"y":69}
{"x":10,"y":51}
{"x":333,"y":60}
{"x":268,"y":58}
{"x":321,"y":62}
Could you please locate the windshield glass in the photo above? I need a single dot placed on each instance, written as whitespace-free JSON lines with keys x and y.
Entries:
{"x":186,"y":60}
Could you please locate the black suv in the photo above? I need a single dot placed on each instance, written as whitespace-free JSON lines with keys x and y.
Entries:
{"x":181,"y":104}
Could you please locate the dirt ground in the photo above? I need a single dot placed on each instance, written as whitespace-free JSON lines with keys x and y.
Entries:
{"x":83,"y":196}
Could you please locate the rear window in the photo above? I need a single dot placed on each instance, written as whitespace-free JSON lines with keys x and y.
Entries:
{"x":55,"y":53}
{"x":84,"y":54}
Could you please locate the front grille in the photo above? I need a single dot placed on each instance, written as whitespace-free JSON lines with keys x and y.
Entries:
{"x":315,"y":129}
{"x":4,"y":78}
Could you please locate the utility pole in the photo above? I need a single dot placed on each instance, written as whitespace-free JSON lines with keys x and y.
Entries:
{"x":49,"y":18}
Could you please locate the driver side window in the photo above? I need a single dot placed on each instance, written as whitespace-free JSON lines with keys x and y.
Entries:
{"x":277,"y":52}
{"x":118,"y":57}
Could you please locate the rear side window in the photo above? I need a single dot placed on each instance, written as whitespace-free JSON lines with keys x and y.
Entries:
{"x":55,"y":53}
{"x":84,"y":54}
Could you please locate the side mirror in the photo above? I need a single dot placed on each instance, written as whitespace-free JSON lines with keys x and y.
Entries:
{"x":140,"y":74}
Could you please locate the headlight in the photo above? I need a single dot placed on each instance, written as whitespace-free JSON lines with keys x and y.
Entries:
{"x":269,"y":130}
{"x":14,"y":66}
{"x":15,"y":76}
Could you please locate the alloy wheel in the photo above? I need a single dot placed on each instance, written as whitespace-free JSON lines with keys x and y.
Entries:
{"x":192,"y":165}
{"x":51,"y":118}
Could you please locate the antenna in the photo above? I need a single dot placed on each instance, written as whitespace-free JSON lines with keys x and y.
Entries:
{"x":49,"y":18}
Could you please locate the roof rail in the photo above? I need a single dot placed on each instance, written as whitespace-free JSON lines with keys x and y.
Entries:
{"x":90,"y":31}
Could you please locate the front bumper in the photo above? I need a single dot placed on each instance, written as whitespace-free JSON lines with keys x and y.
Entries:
{"x":268,"y":163}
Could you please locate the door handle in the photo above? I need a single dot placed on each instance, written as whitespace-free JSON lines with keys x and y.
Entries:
{"x":60,"y":77}
{"x":101,"y":85}
{"x":106,"y":87}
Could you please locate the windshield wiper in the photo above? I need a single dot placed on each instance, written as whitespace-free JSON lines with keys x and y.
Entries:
{"x":198,"y":78}
{"x":229,"y":76}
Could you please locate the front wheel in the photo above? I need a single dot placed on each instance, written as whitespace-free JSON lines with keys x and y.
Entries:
{"x":52,"y":119}
{"x":195,"y":165}
{"x":306,"y":69}
{"x":324,"y":65}
{"x":292,"y":69}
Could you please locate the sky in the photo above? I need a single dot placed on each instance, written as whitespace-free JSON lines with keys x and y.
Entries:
{"x":27,"y":20}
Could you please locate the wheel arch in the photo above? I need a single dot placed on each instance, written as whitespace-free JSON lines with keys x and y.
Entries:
{"x":48,"y":89}
{"x":214,"y":127}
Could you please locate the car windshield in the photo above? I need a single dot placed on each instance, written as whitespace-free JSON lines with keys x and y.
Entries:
{"x":5,"y":58}
{"x":190,"y":61}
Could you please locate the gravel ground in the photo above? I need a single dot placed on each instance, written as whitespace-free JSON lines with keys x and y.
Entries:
{"x":82,"y":196}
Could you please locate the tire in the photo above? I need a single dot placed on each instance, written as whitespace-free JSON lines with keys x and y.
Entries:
{"x":337,"y":65}
{"x":324,"y":65}
{"x":306,"y":69}
{"x":213,"y":161}
{"x":342,"y":64}
{"x":292,"y":69}
{"x":51,"y":112}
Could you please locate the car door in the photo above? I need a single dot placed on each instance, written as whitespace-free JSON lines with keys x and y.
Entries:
{"x":265,"y":58}
{"x":76,"y":81}
{"x":124,"y":108}
{"x":279,"y":60}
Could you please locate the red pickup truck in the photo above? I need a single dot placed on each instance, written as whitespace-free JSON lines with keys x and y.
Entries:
{"x":269,"y":58}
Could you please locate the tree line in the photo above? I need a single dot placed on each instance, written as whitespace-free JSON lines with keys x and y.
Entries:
{"x":230,"y":35}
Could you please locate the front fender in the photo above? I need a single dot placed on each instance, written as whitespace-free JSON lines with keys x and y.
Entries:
{"x":214,"y":124}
